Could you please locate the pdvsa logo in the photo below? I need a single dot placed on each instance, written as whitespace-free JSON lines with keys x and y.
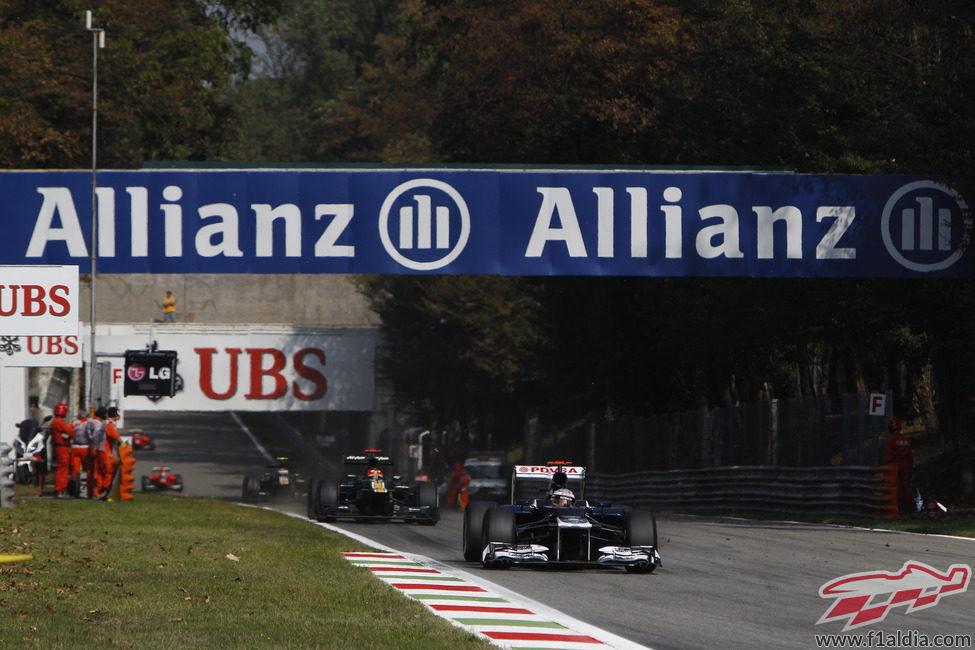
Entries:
{"x":926,"y":226}
{"x":424,"y":224}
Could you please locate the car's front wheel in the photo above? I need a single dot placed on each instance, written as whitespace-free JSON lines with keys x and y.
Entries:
{"x":312,"y":503}
{"x":250,"y":489}
{"x":327,"y":497}
{"x":426,"y":497}
{"x":499,"y":526}
{"x":473,"y":527}
{"x":641,"y":530}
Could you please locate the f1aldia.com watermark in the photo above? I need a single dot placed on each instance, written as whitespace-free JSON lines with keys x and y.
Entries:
{"x":895,"y":639}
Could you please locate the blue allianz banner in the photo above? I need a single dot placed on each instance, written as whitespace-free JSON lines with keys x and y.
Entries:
{"x":487,"y":221}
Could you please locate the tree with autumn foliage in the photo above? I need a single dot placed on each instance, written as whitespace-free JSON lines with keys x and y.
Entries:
{"x":160,"y":87}
{"x":833,"y":86}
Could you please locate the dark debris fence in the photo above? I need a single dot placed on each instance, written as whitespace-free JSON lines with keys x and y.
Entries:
{"x":818,"y":454}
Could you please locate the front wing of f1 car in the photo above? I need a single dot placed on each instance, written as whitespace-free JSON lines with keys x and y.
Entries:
{"x":635,"y":558}
{"x":580,"y":537}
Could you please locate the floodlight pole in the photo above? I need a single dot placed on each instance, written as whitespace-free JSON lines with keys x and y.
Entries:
{"x":98,"y":42}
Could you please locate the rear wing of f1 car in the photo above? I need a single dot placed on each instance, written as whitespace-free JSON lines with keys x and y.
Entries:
{"x":371,"y":457}
{"x":364,"y":460}
{"x":533,"y":481}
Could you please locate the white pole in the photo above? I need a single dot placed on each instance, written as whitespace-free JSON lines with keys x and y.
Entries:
{"x":98,"y":36}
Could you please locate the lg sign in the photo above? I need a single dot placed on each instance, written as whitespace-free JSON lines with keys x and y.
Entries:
{"x":150,"y":373}
{"x":39,"y":300}
{"x":139,"y":373}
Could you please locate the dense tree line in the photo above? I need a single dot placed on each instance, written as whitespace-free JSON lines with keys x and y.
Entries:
{"x":821,"y":86}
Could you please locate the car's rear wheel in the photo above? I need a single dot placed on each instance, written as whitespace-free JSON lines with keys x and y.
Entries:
{"x":426,"y":497}
{"x":473,"y":527}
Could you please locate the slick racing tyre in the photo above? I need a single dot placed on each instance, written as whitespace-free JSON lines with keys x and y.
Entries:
{"x":426,"y":497}
{"x":641,"y":530}
{"x":473,"y":525}
{"x":500,"y":526}
{"x":312,"y":498}
{"x":326,"y":498}
{"x":250,"y":489}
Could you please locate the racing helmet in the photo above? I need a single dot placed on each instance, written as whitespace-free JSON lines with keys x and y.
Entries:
{"x":893,"y":425}
{"x":60,"y":408}
{"x":374,"y":472}
{"x":562,"y":497}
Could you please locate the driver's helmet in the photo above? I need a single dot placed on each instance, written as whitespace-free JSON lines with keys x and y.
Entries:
{"x":562,"y":497}
{"x":374,"y":473}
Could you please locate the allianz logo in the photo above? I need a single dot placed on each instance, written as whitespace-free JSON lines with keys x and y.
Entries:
{"x":926,"y":226}
{"x":424,"y":224}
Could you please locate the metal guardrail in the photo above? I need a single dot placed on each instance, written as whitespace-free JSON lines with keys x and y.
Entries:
{"x":841,"y":490}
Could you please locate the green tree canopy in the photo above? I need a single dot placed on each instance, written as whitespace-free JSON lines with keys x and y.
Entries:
{"x":160,"y":81}
{"x":831,"y":86}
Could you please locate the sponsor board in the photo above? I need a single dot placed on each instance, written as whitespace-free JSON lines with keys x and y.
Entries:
{"x":38,"y":300}
{"x":228,"y":368}
{"x":588,"y":221}
{"x":40,"y":351}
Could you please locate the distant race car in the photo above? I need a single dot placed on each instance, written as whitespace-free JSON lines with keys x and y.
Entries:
{"x":535,"y":529}
{"x":489,"y":481}
{"x":162,"y":480}
{"x":368,"y":494}
{"x":278,"y":482}
{"x":139,"y":440}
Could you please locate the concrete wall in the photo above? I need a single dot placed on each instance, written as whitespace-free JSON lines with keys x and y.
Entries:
{"x":317,"y":300}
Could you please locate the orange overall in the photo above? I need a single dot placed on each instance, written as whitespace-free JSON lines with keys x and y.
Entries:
{"x":106,"y":456}
{"x":900,"y":454}
{"x":61,"y":437}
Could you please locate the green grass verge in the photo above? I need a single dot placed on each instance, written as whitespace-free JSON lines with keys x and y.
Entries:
{"x":163,"y":571}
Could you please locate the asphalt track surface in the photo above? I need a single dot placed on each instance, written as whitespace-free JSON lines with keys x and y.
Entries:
{"x":723,"y":583}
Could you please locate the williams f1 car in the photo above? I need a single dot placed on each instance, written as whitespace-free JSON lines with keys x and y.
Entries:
{"x":548,"y":522}
{"x":368,"y":494}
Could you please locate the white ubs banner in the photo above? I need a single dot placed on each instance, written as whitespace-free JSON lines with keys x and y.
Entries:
{"x":38,"y":300}
{"x":40,"y":351}
{"x":250,"y":368}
